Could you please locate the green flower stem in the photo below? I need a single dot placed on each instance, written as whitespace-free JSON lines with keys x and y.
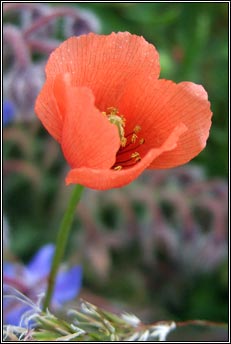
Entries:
{"x":61,"y":242}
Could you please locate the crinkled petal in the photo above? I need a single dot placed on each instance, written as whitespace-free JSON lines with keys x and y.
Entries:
{"x":41,"y":263}
{"x":104,"y":63}
{"x":106,"y":179}
{"x":68,"y":285}
{"x":46,"y":108}
{"x":88,"y":138}
{"x":160,"y":106}
{"x":193,"y":108}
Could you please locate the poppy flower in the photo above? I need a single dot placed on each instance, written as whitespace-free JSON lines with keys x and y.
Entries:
{"x":103,"y":102}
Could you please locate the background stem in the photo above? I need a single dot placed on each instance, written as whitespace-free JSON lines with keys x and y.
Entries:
{"x":61,"y":242}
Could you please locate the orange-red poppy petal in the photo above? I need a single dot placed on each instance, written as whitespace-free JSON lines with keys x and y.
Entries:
{"x":88,"y":138}
{"x":193,"y":108}
{"x":161,"y":105}
{"x":104,"y":63}
{"x":47,"y":110}
{"x":102,"y":179}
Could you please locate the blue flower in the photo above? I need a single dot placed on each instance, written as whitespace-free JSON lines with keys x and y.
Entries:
{"x":31,"y":281}
{"x":8,"y":112}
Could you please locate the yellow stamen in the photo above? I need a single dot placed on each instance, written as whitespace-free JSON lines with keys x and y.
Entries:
{"x":123,"y":141}
{"x":136,"y":129}
{"x":112,"y":111}
{"x":118,"y":168}
{"x":117,"y":119}
{"x":136,"y":156}
{"x":134,"y":137}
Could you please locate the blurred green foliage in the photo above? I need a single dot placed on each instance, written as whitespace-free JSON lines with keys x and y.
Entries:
{"x":192,"y":40}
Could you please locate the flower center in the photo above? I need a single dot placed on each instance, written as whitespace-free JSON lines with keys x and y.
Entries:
{"x":127,"y":154}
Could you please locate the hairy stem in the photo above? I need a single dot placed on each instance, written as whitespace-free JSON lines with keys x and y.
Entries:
{"x":61,"y":242}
